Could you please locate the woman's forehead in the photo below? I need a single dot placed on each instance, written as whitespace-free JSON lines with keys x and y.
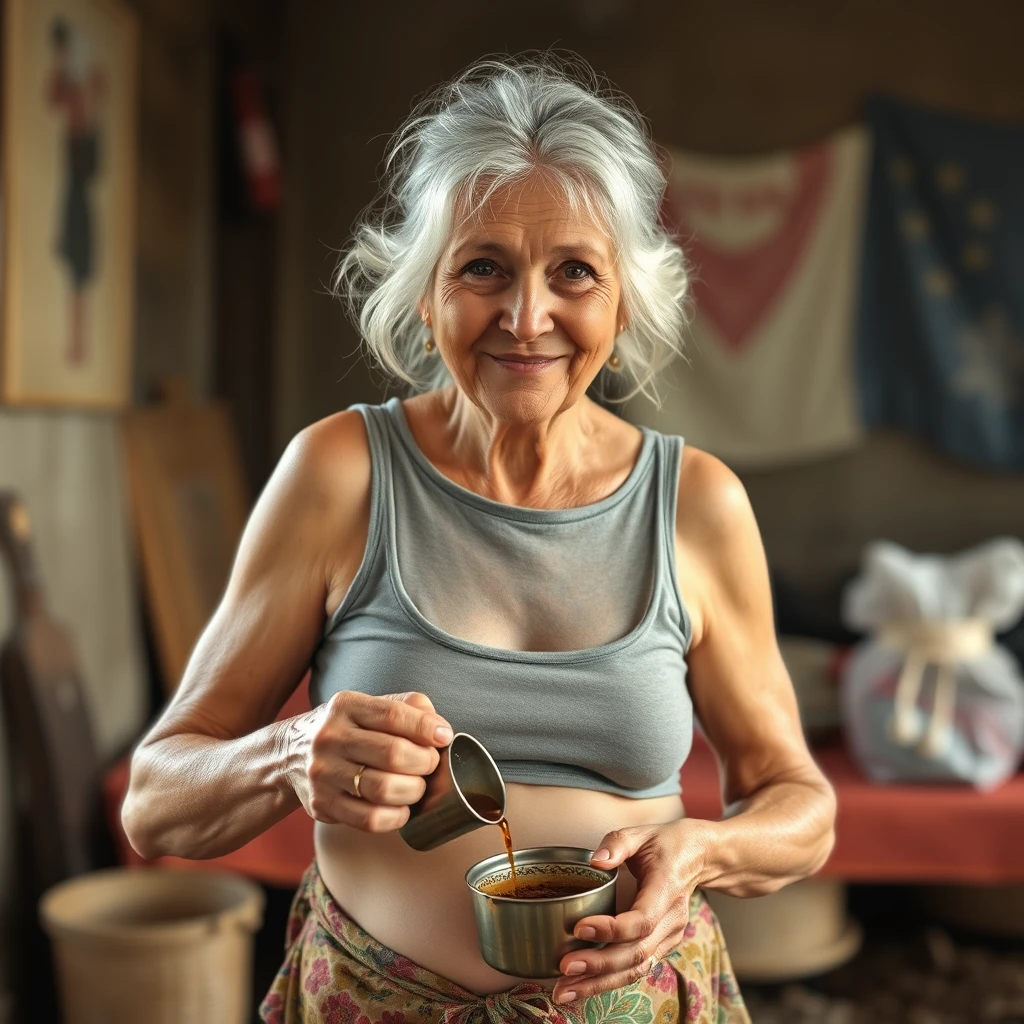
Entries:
{"x":537,"y":208}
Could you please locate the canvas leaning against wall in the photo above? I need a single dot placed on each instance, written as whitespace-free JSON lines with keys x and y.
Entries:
{"x":68,"y":201}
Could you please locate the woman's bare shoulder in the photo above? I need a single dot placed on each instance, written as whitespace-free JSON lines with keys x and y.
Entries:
{"x":314,"y":510}
{"x":327,"y":467}
{"x":330,"y":457}
{"x":718,"y":544}
{"x":712,"y":499}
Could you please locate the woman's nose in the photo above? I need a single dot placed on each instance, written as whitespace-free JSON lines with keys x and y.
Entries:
{"x":526,"y":314}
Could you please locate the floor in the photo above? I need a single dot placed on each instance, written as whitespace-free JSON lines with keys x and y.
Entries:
{"x":911,"y":970}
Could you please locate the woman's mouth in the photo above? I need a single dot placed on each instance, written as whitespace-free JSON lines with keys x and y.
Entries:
{"x":525,"y":364}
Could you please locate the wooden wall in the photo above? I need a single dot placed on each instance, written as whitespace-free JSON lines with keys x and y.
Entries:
{"x":739,"y":77}
{"x":175,"y":226}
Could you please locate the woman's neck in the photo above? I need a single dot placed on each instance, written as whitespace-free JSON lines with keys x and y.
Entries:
{"x":549,"y":463}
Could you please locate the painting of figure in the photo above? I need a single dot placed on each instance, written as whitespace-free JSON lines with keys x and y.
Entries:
{"x":74,"y":91}
{"x":69,"y":151}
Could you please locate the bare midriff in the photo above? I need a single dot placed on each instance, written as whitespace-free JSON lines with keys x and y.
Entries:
{"x":418,"y":903}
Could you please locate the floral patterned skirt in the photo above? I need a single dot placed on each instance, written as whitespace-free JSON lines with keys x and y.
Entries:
{"x":335,"y":973}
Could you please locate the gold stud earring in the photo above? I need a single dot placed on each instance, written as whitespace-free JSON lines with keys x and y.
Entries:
{"x":430,"y":346}
{"x":614,"y":362}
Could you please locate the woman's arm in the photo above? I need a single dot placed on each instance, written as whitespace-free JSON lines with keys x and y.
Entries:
{"x":780,"y":809}
{"x":215,"y":770}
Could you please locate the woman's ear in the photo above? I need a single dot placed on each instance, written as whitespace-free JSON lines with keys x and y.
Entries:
{"x":424,"y":310}
{"x":622,"y":321}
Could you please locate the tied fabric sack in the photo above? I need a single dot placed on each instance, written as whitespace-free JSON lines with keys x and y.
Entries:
{"x":931,"y":696}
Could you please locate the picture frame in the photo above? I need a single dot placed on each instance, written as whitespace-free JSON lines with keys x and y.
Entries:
{"x":70,"y":86}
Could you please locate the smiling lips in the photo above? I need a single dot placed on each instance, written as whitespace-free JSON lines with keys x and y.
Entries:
{"x":517,"y":362}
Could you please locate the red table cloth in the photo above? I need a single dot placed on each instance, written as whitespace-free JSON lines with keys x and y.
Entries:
{"x":899,"y":833}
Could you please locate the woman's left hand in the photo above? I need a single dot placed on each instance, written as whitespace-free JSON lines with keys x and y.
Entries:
{"x":667,"y":862}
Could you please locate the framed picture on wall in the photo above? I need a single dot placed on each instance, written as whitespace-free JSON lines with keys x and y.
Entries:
{"x":69,"y":142}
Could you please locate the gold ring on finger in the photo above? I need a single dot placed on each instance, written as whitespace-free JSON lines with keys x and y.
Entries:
{"x":356,"y":779}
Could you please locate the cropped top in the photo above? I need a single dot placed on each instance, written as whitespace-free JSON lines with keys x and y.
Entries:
{"x":453,"y":584}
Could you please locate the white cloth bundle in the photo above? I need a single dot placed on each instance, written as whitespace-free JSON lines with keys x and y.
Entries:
{"x":931,"y":696}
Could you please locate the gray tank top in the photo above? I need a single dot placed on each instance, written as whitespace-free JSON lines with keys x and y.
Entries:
{"x":557,"y":637}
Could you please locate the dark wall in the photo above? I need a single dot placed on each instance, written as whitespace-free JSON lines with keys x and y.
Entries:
{"x":174,"y":283}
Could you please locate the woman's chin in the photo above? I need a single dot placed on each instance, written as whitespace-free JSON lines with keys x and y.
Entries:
{"x":523,"y":405}
{"x":522,"y":399}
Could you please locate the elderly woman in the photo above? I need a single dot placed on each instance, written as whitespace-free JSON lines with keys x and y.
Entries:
{"x":501,"y":555}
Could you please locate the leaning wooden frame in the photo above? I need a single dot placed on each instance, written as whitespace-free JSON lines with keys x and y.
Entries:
{"x":189,"y":506}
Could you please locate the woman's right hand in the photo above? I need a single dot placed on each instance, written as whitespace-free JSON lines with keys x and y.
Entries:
{"x":394,"y":738}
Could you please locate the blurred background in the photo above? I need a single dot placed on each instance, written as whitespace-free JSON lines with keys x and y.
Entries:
{"x":178,"y":175}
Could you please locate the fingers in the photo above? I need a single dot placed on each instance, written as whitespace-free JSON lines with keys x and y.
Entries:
{"x":618,"y":846}
{"x":574,"y":989}
{"x":589,"y":971}
{"x":629,"y":926}
{"x":652,"y":906}
{"x":389,"y":753}
{"x":377,"y":787}
{"x":649,"y":929}
{"x":613,"y":959}
{"x":409,"y":715}
{"x":382,"y":806}
{"x":394,"y":740}
{"x":341,"y":809}
{"x":420,"y":701}
{"x":391,"y":790}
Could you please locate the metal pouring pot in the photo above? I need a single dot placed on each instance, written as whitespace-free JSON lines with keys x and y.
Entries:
{"x":444,"y":812}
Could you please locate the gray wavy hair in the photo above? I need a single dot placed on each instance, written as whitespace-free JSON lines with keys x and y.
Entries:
{"x":497,"y":122}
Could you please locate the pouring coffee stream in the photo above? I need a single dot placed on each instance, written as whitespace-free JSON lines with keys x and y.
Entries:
{"x":487,"y":807}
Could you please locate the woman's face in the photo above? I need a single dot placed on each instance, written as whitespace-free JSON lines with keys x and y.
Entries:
{"x":524,"y":305}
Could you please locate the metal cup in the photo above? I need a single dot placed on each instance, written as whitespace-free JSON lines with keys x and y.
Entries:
{"x":444,"y":812}
{"x":528,"y":937}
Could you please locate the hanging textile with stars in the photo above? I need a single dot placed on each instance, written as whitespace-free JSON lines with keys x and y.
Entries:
{"x":940,"y":335}
{"x":774,"y":246}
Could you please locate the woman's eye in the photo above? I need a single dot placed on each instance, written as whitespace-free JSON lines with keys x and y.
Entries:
{"x":480,"y":268}
{"x":578,"y":271}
